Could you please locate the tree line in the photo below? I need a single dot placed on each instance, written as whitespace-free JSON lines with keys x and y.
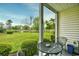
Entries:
{"x":48,"y":24}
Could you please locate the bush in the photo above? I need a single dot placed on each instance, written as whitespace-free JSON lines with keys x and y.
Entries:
{"x":53,"y":38}
{"x":5,"y":49}
{"x":29,"y":48}
{"x":46,"y":40}
{"x":2,"y":30}
{"x":9,"y":31}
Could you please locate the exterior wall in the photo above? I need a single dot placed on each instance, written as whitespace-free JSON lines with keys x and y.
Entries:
{"x":69,"y":24}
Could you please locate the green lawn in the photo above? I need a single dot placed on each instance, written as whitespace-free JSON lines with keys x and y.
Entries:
{"x":16,"y":39}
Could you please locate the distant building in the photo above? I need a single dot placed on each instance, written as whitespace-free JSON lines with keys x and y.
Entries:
{"x":7,"y":26}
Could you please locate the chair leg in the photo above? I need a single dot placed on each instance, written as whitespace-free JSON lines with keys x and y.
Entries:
{"x":61,"y":53}
{"x":47,"y":54}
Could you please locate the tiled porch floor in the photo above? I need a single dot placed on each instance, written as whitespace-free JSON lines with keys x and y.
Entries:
{"x":64,"y":53}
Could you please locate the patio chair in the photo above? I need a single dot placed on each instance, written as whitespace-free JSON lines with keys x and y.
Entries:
{"x":62,"y":41}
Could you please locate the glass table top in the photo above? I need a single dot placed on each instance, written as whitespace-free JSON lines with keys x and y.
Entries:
{"x":51,"y":48}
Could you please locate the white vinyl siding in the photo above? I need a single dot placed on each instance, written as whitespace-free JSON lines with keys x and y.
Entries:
{"x":69,"y":23}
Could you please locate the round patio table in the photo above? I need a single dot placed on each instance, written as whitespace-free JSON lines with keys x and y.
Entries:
{"x":54,"y":48}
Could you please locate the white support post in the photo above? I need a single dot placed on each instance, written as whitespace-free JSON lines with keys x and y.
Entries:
{"x":56,"y":27}
{"x":41,"y":25}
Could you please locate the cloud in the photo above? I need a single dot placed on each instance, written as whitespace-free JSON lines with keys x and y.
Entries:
{"x":20,"y":13}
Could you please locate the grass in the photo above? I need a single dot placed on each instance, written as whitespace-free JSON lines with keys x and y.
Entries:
{"x":16,"y":39}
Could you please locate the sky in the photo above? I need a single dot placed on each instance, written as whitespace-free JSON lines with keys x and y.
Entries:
{"x":20,"y":13}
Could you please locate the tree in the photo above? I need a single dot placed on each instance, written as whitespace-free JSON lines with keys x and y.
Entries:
{"x":47,"y":25}
{"x":1,"y":27}
{"x":8,"y":24}
{"x":9,"y":21}
{"x":36,"y":23}
{"x":26,"y":27}
{"x":30,"y":20}
{"x":50,"y":24}
{"x":17,"y":27}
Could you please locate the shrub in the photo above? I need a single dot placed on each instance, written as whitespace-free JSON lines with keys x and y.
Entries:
{"x":5,"y":49}
{"x":46,"y":40}
{"x":29,"y":48}
{"x":9,"y":31}
{"x":53,"y":38}
{"x":2,"y":30}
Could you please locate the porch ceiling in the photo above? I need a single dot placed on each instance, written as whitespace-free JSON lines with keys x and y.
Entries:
{"x":61,"y":6}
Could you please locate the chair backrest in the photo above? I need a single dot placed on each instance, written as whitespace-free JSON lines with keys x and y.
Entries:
{"x":62,"y":40}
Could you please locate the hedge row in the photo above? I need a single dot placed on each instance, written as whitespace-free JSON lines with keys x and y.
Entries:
{"x":5,"y":49}
{"x":29,"y":48}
